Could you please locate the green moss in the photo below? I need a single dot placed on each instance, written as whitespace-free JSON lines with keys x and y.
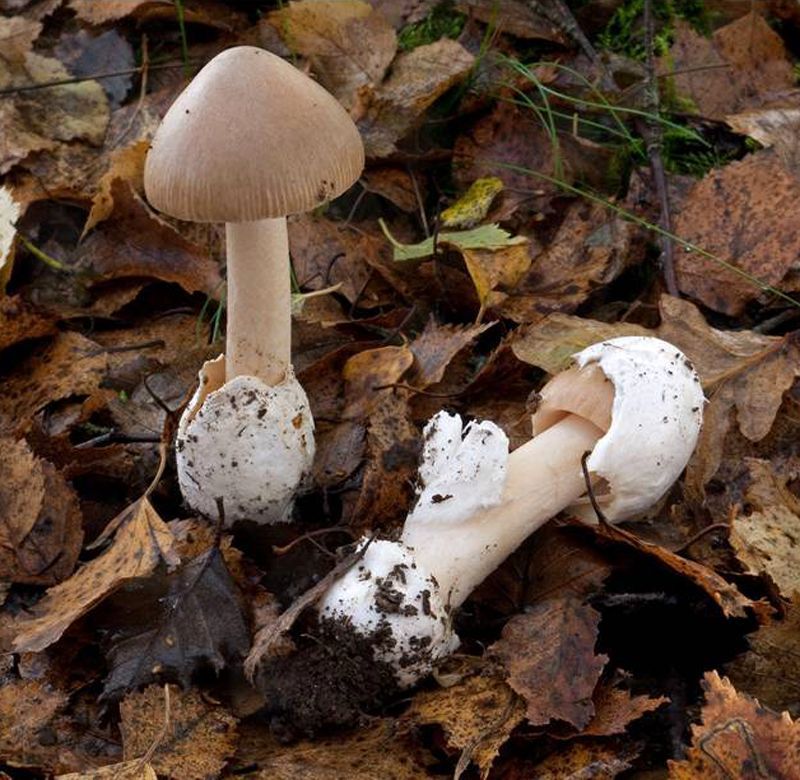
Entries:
{"x":624,"y":34}
{"x":442,"y":22}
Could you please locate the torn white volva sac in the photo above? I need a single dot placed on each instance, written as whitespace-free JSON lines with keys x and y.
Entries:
{"x":634,"y":403}
{"x":247,"y":442}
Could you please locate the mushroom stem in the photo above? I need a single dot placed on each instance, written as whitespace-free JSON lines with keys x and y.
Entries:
{"x":543,"y":477}
{"x":259,"y":337}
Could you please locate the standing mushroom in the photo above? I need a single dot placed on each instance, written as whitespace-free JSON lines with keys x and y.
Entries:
{"x":634,"y":403}
{"x":249,"y":141}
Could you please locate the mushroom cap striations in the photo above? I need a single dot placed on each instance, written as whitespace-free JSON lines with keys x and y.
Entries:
{"x":656,"y":416}
{"x":251,"y":138}
{"x":244,"y":441}
{"x":389,"y":597}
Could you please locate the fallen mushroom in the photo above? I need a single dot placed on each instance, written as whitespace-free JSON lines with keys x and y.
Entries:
{"x":249,"y":141}
{"x":635,"y":403}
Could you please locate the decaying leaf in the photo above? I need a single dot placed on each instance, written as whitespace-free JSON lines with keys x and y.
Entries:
{"x":742,"y":214}
{"x":134,"y":242}
{"x":770,"y":669}
{"x":477,"y":715}
{"x":349,"y":44}
{"x":26,"y":706}
{"x":142,"y":541}
{"x":765,"y":538}
{"x":733,"y":70}
{"x":127,"y":770}
{"x":553,"y":641}
{"x":367,"y":375}
{"x":775,"y":126}
{"x":738,"y":738}
{"x":473,"y":206}
{"x":70,"y":365}
{"x":514,"y":17}
{"x":20,"y":321}
{"x":418,"y":78}
{"x":378,"y":750}
{"x":109,"y":10}
{"x":194,"y":739}
{"x":494,"y":272}
{"x":602,"y":760}
{"x":616,"y":708}
{"x":40,"y":521}
{"x":192,"y":621}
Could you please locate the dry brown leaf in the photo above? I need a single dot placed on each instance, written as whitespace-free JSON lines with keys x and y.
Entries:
{"x":513,"y":17}
{"x":741,"y":64}
{"x":36,"y":120}
{"x":616,"y":708}
{"x":553,"y":641}
{"x":367,"y":372}
{"x":477,"y":715}
{"x":40,"y":520}
{"x":142,"y":541}
{"x":348,"y":43}
{"x":20,"y":321}
{"x":590,"y":249}
{"x":418,"y":78}
{"x":26,"y":706}
{"x":742,"y":214}
{"x":396,"y":185}
{"x":435,"y":347}
{"x":127,"y":770}
{"x":494,"y":272}
{"x":770,"y":669}
{"x":765,"y":539}
{"x":775,"y":126}
{"x":70,"y":365}
{"x":379,"y":750}
{"x":199,"y":738}
{"x":18,"y":34}
{"x":602,"y":760}
{"x":109,"y":10}
{"x":126,"y":164}
{"x":738,"y":739}
{"x":134,"y":242}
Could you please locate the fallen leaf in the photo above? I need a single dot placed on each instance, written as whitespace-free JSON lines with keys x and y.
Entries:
{"x":69,"y":365}
{"x":473,"y":206}
{"x":739,"y":214}
{"x":189,"y":621}
{"x":604,"y":761}
{"x":18,"y":34}
{"x":477,"y":716}
{"x":764,"y":535}
{"x":127,"y":165}
{"x":134,"y":242}
{"x":109,"y":10}
{"x":775,"y":126}
{"x":435,"y":347}
{"x":378,"y":750}
{"x":86,"y":54}
{"x":36,"y":120}
{"x":733,"y":70}
{"x":417,"y":79}
{"x":366,"y":375}
{"x":513,"y":17}
{"x":488,"y":237}
{"x":616,"y":708}
{"x":40,"y":520}
{"x":496,"y":272}
{"x":349,"y":44}
{"x":26,"y":706}
{"x":397,"y":185}
{"x":142,"y":541}
{"x":770,"y":669}
{"x":127,"y":770}
{"x":591,"y":248}
{"x":554,"y":641}
{"x":199,"y":737}
{"x":19,"y":321}
{"x":738,"y":738}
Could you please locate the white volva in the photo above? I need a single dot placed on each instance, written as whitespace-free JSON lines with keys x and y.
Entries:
{"x":634,"y":403}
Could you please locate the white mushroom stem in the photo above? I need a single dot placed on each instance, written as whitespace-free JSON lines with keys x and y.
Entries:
{"x":259,"y":302}
{"x":543,"y":477}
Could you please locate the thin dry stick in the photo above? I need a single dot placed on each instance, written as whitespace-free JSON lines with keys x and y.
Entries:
{"x":651,"y":132}
{"x":155,"y":744}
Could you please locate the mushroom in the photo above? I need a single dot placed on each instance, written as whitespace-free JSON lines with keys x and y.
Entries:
{"x":249,"y":141}
{"x":634,"y":403}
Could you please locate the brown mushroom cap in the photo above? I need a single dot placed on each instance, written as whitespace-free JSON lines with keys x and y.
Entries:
{"x":251,"y":138}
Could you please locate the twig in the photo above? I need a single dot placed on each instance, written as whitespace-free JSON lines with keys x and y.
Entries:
{"x":310,"y":535}
{"x":699,"y":535}
{"x":601,"y":518}
{"x":156,"y":743}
